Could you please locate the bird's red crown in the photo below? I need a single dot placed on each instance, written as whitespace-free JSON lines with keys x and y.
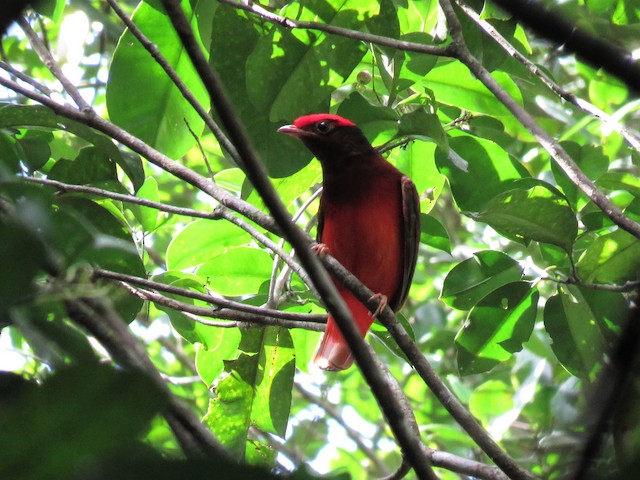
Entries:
{"x":306,"y":120}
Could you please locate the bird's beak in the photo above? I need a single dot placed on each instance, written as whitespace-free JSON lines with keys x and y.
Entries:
{"x":294,"y":131}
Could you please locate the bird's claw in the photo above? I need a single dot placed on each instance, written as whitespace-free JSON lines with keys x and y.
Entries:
{"x":321,"y":249}
{"x":382,"y":302}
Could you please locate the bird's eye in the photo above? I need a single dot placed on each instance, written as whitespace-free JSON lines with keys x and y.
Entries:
{"x":324,"y":127}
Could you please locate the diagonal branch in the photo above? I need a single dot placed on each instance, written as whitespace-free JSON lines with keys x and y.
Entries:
{"x":210,"y":298}
{"x":410,"y":444}
{"x":632,"y":138}
{"x":177,"y":81}
{"x":561,"y":157}
{"x":590,"y":49}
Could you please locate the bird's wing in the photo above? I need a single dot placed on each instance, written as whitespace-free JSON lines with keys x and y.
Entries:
{"x":411,"y":234}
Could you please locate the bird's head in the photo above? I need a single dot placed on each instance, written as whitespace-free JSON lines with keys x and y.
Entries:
{"x":331,"y":138}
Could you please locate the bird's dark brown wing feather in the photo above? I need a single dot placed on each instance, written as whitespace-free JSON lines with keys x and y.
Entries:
{"x":411,"y":230}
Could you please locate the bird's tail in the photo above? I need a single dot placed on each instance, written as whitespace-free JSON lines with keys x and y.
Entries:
{"x":333,"y":353}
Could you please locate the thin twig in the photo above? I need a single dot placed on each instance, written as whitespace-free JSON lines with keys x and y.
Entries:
{"x":25,"y":78}
{"x":236,"y":318}
{"x":46,"y":57}
{"x":210,"y":298}
{"x":342,"y":32}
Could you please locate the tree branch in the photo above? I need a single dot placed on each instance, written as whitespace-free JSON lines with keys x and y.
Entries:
{"x":209,"y":298}
{"x":150,"y":47}
{"x":632,"y":138}
{"x":561,"y":157}
{"x":239,"y":319}
{"x":339,"y":31}
{"x":46,"y":57}
{"x":592,"y":50}
{"x":256,"y":173}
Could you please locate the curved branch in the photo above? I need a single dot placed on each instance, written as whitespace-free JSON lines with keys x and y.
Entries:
{"x":238,"y":319}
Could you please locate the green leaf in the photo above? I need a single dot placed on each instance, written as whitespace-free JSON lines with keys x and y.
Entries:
{"x":192,"y":331}
{"x":422,"y":125}
{"x":620,"y":181}
{"x":201,"y":241}
{"x":486,"y":164}
{"x":22,"y":256}
{"x":471,"y":280}
{"x":257,"y":390}
{"x":231,"y":32}
{"x":575,"y":334}
{"x":416,"y":160}
{"x":38,"y":116}
{"x":532,"y":214}
{"x":35,"y":145}
{"x":305,"y":342}
{"x":162,"y":118}
{"x":78,"y":407}
{"x":148,"y":217}
{"x":240,"y":271}
{"x":91,"y":166}
{"x":611,"y":258}
{"x":453,"y":84}
{"x":433,"y":233}
{"x":9,"y":156}
{"x":490,"y":400}
{"x":496,"y":327}
{"x":371,"y":119}
{"x":222,"y":345}
{"x":591,"y":160}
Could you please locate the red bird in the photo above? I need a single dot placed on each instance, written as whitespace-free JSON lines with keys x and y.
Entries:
{"x":369,"y":220}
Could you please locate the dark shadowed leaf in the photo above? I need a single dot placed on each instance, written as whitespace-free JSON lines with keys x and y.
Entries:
{"x":496,"y":327}
{"x":471,"y":280}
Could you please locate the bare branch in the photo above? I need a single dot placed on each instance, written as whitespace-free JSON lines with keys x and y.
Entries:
{"x":239,"y":319}
{"x":210,"y":298}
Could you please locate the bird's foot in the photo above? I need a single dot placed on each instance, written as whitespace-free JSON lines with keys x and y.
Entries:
{"x":382,"y":302}
{"x":321,"y":249}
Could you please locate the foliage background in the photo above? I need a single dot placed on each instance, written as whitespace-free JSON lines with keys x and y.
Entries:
{"x":522,"y":284}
